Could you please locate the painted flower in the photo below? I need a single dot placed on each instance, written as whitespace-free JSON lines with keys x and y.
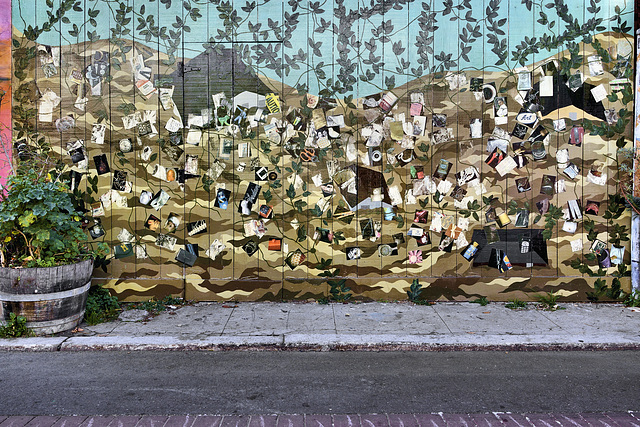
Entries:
{"x":415,"y":257}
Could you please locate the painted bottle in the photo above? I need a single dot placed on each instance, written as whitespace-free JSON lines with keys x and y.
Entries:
{"x":471,"y":251}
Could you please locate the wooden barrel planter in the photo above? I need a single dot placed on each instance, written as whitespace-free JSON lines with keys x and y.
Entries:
{"x":52,"y":299}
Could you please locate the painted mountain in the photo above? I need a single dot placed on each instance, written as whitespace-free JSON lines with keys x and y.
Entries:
{"x":211,"y":72}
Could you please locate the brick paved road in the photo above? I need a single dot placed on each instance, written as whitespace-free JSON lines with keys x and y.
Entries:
{"x":355,"y":420}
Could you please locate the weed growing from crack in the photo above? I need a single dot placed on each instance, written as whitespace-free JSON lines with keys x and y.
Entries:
{"x":516,"y":304}
{"x":482,"y":301}
{"x":548,"y":301}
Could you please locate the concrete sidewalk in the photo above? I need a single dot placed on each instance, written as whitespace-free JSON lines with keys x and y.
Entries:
{"x":355,"y":326}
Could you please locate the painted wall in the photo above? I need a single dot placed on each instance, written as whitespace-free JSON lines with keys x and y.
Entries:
{"x":5,"y":90}
{"x":281,"y":150}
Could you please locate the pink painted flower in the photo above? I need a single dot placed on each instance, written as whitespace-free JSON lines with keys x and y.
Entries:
{"x":415,"y":257}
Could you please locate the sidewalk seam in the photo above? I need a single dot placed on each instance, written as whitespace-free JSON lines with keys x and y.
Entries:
{"x":224,"y":328}
{"x":549,"y":319}
{"x":286,"y":324}
{"x":333,"y":313}
{"x":441,"y":319}
{"x":115,"y":327}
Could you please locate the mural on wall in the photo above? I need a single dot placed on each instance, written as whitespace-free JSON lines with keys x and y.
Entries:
{"x":5,"y":90}
{"x":293,"y":150}
{"x":636,"y":142}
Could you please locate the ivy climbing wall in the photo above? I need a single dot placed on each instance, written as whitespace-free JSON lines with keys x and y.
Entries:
{"x":278,"y":150}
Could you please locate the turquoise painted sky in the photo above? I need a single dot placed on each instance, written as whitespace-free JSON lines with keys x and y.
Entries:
{"x":381,"y":31}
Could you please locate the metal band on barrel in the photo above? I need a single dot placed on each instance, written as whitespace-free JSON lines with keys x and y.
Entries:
{"x":45,"y":296}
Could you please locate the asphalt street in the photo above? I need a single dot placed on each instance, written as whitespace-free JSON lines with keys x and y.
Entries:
{"x":162,"y":383}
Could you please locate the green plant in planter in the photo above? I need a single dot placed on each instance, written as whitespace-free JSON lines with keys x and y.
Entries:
{"x":39,"y":226}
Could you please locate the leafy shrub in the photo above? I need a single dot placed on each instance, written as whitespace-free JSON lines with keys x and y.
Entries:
{"x":39,"y":226}
{"x":101,"y":306}
{"x":16,"y":327}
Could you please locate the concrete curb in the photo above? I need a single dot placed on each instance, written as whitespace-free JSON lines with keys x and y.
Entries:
{"x":167,"y":343}
{"x":31,"y":344}
{"x":457,"y":342}
{"x":462,"y":339}
{"x":325,"y":342}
